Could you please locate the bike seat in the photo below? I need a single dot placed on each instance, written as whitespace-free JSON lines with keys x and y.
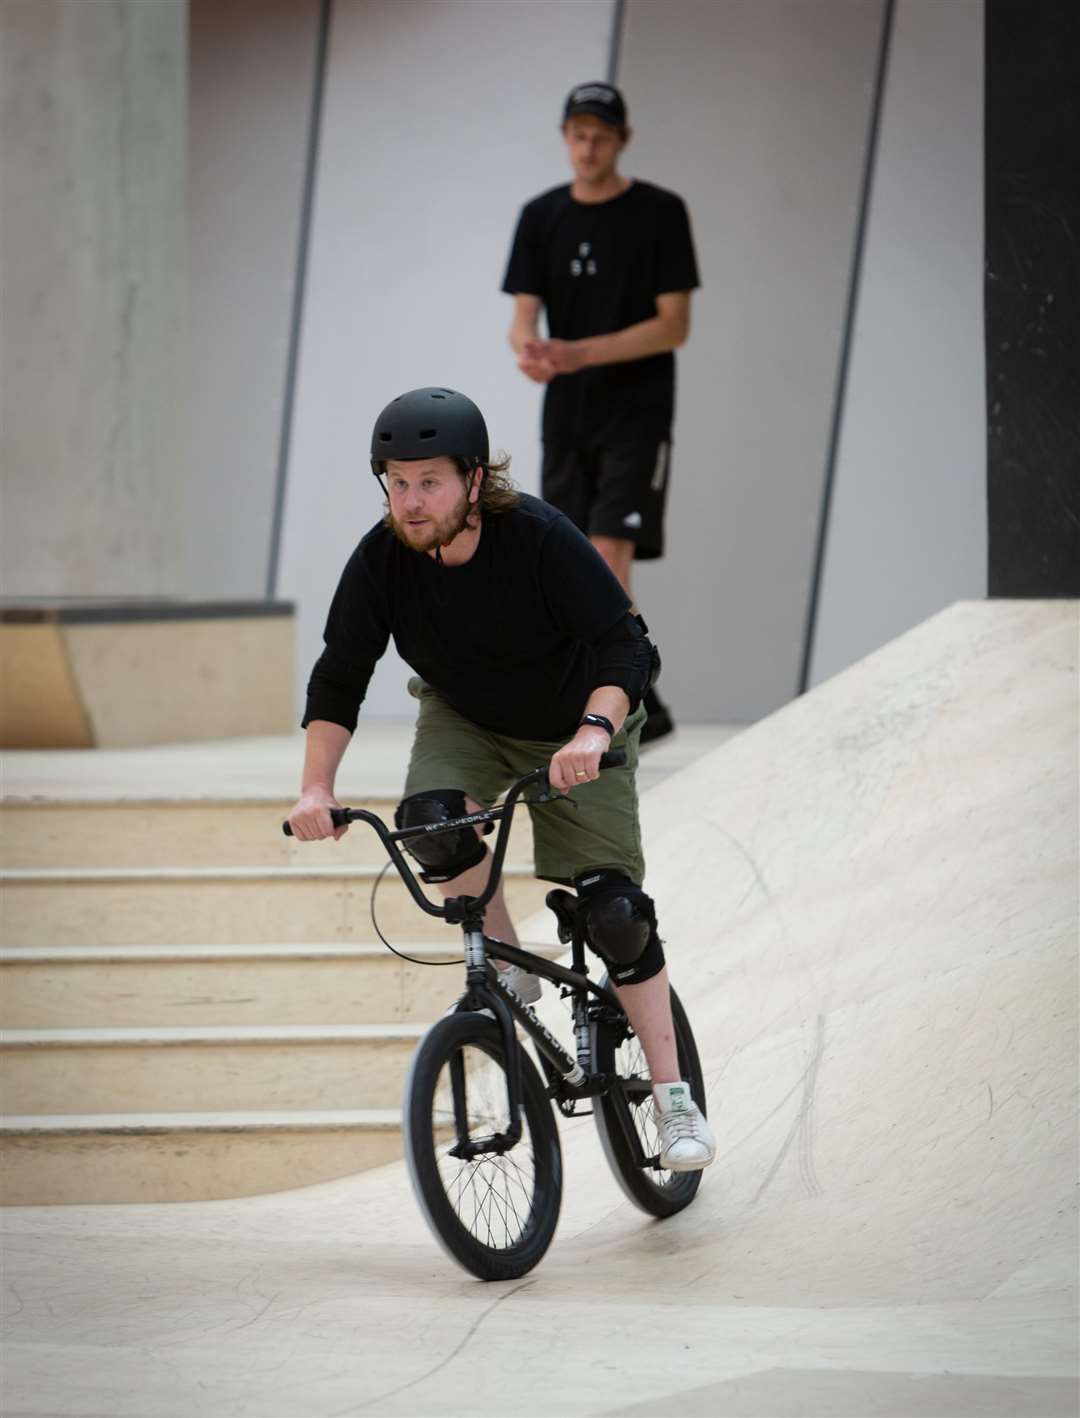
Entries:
{"x":565,"y":905}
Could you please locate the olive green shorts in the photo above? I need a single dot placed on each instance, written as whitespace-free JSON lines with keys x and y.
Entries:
{"x":596,"y":828}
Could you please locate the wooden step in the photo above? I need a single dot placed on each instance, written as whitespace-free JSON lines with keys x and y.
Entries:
{"x":224,"y":905}
{"x":159,"y":1157}
{"x":194,"y":1070}
{"x":44,"y":987}
{"x":190,"y":833}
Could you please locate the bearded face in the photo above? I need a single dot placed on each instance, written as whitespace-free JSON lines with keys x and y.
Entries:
{"x":429,"y":503}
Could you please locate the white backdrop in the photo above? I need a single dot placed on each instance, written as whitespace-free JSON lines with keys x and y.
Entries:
{"x":441,"y":118}
{"x":757,"y":112}
{"x":252,"y":72}
{"x":908,"y":534}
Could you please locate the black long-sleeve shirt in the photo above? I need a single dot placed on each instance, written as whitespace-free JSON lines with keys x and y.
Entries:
{"x":516,"y":639}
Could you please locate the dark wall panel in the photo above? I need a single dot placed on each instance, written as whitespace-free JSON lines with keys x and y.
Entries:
{"x":1033,"y":295}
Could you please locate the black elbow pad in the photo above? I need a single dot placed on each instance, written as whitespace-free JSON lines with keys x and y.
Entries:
{"x":654,"y":657}
{"x":646,"y":661}
{"x":627,"y":657}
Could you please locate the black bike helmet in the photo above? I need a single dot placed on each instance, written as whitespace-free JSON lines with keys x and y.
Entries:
{"x":429,"y":423}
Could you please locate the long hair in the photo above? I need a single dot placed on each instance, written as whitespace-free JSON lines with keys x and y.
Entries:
{"x":497,"y":490}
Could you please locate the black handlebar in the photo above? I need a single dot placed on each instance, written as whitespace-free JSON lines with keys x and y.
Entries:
{"x":614,"y":758}
{"x":342,"y":816}
{"x":453,"y":910}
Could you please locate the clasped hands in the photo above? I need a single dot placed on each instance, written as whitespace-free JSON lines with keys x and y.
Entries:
{"x":542,"y":360}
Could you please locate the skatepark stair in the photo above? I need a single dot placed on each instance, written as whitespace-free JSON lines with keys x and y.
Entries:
{"x":194,"y":1007}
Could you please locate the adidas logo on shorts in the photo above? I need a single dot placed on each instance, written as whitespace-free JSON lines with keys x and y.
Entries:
{"x":632,"y":519}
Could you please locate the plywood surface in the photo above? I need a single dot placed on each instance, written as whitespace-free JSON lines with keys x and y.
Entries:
{"x":870,"y":904}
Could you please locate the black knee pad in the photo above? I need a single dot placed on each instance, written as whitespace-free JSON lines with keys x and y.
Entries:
{"x":620,"y":924}
{"x":443,"y":855}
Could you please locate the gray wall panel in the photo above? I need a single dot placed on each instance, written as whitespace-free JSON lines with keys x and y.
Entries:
{"x":93,"y":409}
{"x":441,"y":120}
{"x":907,"y":533}
{"x":756,"y":111}
{"x":252,"y":74}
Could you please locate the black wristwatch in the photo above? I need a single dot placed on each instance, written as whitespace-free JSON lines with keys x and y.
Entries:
{"x":600,"y":722}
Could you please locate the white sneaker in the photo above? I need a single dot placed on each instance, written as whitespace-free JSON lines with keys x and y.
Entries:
{"x":526,"y":986}
{"x":687,"y":1142}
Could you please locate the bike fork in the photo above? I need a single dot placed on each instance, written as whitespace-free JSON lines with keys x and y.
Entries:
{"x":507,"y":1008}
{"x":476,"y":973}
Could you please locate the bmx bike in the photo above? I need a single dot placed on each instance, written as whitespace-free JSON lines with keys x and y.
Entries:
{"x":481,"y":1137}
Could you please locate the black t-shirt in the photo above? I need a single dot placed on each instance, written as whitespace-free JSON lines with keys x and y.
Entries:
{"x":509,"y":638}
{"x":598,"y":267}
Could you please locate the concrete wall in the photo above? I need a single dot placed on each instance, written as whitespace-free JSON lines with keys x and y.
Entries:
{"x":252,"y":78}
{"x":441,"y":118}
{"x":93,"y":405}
{"x":908,"y":529}
{"x":766,"y":144}
{"x":756,"y":111}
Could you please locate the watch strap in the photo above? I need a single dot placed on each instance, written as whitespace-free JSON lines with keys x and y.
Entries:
{"x":599,"y":721}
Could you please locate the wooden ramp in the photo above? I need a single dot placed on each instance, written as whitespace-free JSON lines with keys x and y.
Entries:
{"x":117,"y":673}
{"x":195,"y":1006}
{"x":870,"y":903}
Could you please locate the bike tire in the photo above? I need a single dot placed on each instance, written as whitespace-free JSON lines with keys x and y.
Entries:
{"x":494,"y":1215}
{"x":659,"y":1193}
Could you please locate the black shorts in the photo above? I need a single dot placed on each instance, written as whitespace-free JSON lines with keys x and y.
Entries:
{"x":612,"y":492}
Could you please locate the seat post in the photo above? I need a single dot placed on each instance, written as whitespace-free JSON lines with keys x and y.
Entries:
{"x":580,"y":964}
{"x":566,"y":907}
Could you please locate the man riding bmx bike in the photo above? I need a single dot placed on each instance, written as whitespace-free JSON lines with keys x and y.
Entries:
{"x":525,"y":651}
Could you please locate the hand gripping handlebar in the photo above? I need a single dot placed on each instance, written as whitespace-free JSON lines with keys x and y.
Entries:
{"x":451,"y":910}
{"x":342,"y":816}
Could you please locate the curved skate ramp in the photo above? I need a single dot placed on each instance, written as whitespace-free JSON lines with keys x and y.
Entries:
{"x":870,"y":903}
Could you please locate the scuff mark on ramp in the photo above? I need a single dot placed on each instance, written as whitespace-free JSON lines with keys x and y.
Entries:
{"x":802,"y":1128}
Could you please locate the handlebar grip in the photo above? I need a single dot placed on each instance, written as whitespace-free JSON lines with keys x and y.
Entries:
{"x":339,"y":816}
{"x":614,"y":758}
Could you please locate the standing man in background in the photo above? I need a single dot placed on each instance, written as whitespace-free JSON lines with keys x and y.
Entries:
{"x":611,"y":261}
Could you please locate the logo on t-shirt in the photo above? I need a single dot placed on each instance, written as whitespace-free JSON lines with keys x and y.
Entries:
{"x":583,"y":264}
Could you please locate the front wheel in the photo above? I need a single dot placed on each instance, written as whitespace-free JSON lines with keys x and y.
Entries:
{"x":619,"y":1117}
{"x":494,"y":1213}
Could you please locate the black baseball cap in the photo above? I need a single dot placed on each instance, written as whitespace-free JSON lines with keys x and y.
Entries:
{"x":600,"y":99}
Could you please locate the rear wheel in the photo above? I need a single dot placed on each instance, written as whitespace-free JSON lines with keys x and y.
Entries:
{"x":620,"y":1117}
{"x":494,"y":1213}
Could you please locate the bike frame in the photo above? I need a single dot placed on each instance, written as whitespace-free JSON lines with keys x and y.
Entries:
{"x":569,"y":1079}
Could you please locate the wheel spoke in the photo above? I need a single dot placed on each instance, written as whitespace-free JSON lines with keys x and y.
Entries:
{"x":493,"y":1195}
{"x":659,"y":1192}
{"x":645,"y":1114}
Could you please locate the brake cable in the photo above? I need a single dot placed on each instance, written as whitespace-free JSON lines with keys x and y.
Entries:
{"x":400,"y":954}
{"x":546,"y":795}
